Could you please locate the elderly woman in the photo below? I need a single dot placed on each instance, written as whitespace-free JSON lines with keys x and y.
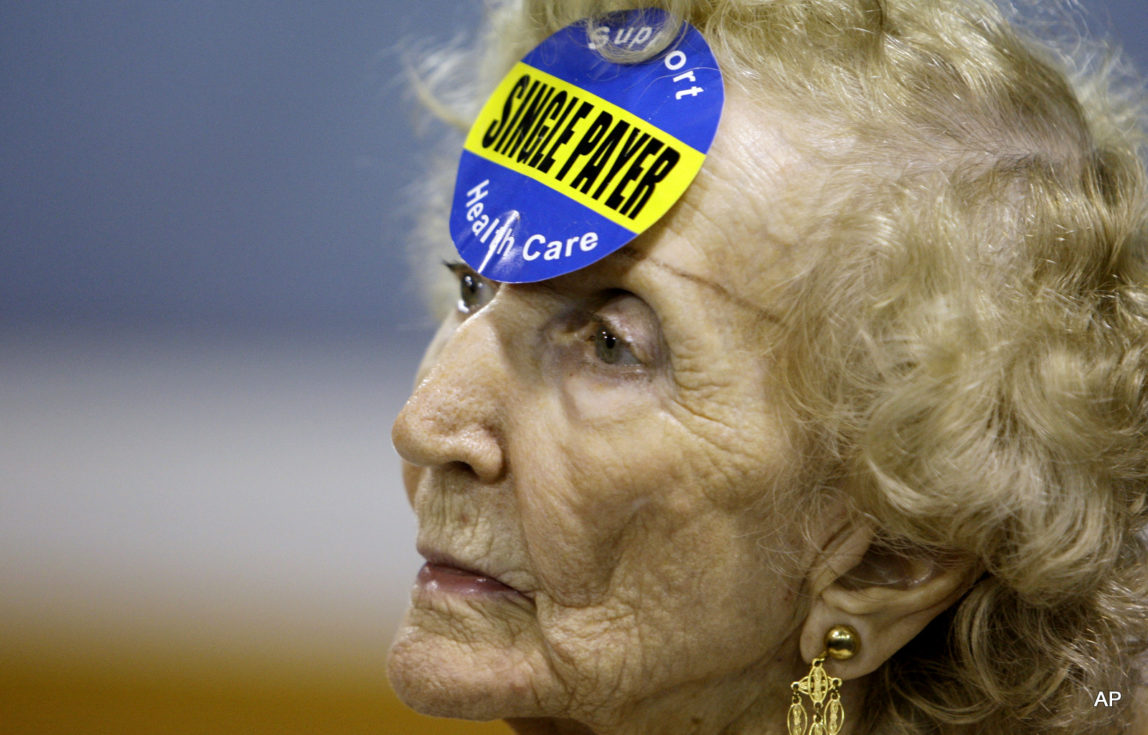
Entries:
{"x":852,"y":440}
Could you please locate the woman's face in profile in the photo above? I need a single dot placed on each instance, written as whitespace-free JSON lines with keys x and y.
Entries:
{"x":593,"y":461}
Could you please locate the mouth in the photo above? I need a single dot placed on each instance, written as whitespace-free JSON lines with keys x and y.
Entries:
{"x":444,"y":574}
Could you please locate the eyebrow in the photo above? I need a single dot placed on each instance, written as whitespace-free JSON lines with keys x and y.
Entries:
{"x":636,"y":257}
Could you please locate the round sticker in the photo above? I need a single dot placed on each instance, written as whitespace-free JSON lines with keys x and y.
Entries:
{"x":574,"y":155}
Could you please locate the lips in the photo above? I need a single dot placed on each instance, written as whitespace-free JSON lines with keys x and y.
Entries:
{"x":444,"y":574}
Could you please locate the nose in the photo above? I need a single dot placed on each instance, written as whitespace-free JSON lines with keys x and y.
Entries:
{"x":455,"y":413}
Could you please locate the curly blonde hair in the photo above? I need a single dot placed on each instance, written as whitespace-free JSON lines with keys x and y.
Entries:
{"x":969,"y":341}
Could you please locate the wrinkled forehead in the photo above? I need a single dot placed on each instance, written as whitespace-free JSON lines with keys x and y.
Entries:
{"x":736,"y":233}
{"x":715,"y":259}
{"x":721,"y":290}
{"x":733,"y":236}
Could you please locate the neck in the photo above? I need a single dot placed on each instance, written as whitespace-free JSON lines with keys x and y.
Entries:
{"x":765,"y":716}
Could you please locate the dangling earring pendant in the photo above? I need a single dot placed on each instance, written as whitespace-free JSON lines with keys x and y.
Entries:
{"x":828,"y":716}
{"x":824,"y":690}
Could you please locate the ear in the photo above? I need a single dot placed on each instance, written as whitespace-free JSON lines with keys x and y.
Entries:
{"x":887,"y":596}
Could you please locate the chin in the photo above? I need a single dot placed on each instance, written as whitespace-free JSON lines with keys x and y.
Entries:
{"x":438,"y":675}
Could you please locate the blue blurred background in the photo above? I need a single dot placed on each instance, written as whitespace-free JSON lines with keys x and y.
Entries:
{"x":219,"y":165}
{"x":206,"y":328}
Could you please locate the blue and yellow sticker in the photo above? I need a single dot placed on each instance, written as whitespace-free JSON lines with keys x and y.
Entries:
{"x":574,"y":155}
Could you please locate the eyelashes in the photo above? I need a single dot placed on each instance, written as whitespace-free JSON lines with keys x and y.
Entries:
{"x":604,"y":341}
{"x":474,"y":291}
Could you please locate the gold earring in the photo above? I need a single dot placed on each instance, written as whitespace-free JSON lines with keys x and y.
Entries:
{"x":841,"y":642}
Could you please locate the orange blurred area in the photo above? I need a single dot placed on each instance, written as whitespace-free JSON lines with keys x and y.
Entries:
{"x":55,"y":681}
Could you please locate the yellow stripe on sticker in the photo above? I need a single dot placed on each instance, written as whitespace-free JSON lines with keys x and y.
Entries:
{"x":598,"y":154}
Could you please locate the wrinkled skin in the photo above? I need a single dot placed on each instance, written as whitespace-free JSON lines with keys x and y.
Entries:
{"x":631,"y":486}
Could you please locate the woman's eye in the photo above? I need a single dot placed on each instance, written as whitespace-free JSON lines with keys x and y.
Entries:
{"x":612,"y":349}
{"x":474,"y":291}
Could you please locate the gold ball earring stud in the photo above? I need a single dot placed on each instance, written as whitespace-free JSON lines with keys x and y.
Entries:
{"x":842,"y":642}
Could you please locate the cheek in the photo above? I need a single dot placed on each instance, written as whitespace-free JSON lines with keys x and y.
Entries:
{"x":649,"y":584}
{"x":585,"y":472}
{"x":609,"y":406}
